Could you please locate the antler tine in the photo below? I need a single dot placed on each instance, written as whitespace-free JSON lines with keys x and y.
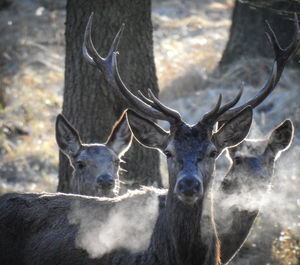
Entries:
{"x":257,"y":99}
{"x":213,"y":116}
{"x":108,"y":66}
{"x":156,"y":103}
{"x":87,"y":43}
{"x":139,"y":104}
{"x":230,"y":104}
{"x":91,"y":55}
{"x":145,"y":99}
{"x":210,"y":116}
{"x":281,"y":58}
{"x":283,"y":55}
{"x":159,"y":105}
{"x":272,"y":39}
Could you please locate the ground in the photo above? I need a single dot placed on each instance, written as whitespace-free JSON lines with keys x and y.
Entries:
{"x":189,"y":39}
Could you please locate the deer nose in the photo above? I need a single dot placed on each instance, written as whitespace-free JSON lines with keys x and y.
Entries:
{"x":105,"y":181}
{"x":189,"y":186}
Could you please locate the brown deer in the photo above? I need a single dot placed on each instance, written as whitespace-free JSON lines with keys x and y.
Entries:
{"x":95,"y":166}
{"x":187,"y":157}
{"x":35,"y":228}
{"x":241,"y":192}
{"x":239,"y":197}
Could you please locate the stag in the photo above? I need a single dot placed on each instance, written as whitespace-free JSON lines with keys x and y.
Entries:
{"x":36,"y":229}
{"x":95,"y":166}
{"x":240,"y":195}
{"x":189,"y":148}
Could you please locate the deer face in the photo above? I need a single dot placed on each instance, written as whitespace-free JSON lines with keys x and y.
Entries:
{"x":253,"y":160}
{"x":191,"y":162}
{"x":191,"y":151}
{"x":95,"y":170}
{"x":96,"y":166}
{"x":251,"y":167}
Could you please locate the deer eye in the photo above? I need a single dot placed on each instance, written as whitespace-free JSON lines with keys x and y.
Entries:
{"x":213,"y":154}
{"x":237,"y":160}
{"x":168,"y":153}
{"x":80,"y":164}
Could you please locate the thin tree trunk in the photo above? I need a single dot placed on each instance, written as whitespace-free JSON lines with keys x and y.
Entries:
{"x":90,"y":103}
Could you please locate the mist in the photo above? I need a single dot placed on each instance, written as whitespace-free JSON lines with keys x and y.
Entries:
{"x":278,"y":203}
{"x":127,"y":225}
{"x":280,"y":195}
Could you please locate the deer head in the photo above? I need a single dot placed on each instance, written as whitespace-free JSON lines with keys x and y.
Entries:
{"x":95,"y":166}
{"x":191,"y":150}
{"x":253,"y":160}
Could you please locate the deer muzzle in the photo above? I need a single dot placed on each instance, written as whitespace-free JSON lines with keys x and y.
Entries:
{"x":189,"y":189}
{"x":105,"y":182}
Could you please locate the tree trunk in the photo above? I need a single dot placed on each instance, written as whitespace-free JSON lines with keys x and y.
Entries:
{"x":90,"y":103}
{"x":5,"y":3}
{"x":248,"y":26}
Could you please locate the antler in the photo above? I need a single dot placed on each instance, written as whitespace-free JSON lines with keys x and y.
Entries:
{"x":91,"y":55}
{"x":212,"y":117}
{"x":151,"y":106}
{"x":282,"y":56}
{"x":109,"y":67}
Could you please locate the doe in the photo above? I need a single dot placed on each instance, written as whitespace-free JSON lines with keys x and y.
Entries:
{"x":241,"y":192}
{"x":95,"y":166}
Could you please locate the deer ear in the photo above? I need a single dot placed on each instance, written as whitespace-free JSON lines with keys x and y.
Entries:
{"x":281,"y":137}
{"x":120,"y":137}
{"x":67,"y":137}
{"x":147,"y":132}
{"x":233,"y":131}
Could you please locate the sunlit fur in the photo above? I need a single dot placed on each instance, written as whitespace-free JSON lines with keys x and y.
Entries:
{"x":95,"y":166}
{"x":185,"y":231}
{"x":98,"y":160}
{"x":190,"y":149}
{"x":243,"y":189}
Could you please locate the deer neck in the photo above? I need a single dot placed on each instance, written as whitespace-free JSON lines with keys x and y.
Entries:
{"x":184,"y":234}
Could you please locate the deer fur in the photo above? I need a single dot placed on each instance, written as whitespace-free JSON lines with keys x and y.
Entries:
{"x":95,"y":166}
{"x":37,"y":229}
{"x":241,"y":193}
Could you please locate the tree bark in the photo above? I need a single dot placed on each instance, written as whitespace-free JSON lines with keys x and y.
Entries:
{"x":247,"y":32}
{"x":5,"y":3}
{"x":90,"y":103}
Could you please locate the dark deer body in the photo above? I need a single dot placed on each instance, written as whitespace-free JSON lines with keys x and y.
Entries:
{"x":180,"y":235}
{"x":184,"y":233}
{"x":95,"y":166}
{"x":38,"y":228}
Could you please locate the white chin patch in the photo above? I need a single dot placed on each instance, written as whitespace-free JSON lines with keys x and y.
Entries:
{"x":190,"y":200}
